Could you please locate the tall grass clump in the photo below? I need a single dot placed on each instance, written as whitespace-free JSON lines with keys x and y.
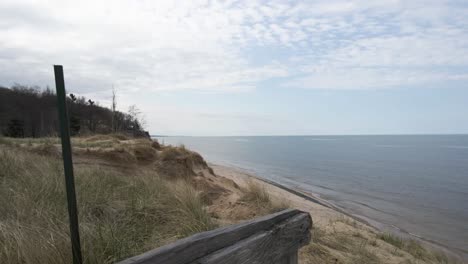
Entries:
{"x":392,"y":240}
{"x":257,"y":194}
{"x":416,"y":249}
{"x":189,"y":203}
{"x":120,"y":215}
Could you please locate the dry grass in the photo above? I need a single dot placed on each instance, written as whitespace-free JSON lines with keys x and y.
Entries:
{"x":119,"y":215}
{"x":113,"y":147}
{"x":144,"y":152}
{"x":415,"y":249}
{"x":194,"y":208}
{"x":178,"y":162}
{"x":346,"y":241}
{"x":181,"y":153}
{"x":100,"y":137}
{"x":316,"y":251}
{"x":255,"y":195}
{"x":338,"y":247}
{"x":392,"y":239}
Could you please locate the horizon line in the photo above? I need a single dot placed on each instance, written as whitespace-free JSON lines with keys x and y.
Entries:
{"x":319,"y":135}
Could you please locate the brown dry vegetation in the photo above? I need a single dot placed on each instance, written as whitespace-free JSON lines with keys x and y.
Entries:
{"x":135,"y":195}
{"x":345,"y":241}
{"x":124,"y":208}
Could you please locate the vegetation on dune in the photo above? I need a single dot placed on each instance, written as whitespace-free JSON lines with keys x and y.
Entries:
{"x":120,"y":215}
{"x":338,"y":243}
{"x":257,"y":196}
{"x":332,"y":245}
{"x":392,"y":239}
{"x":415,"y":249}
{"x":179,"y":162}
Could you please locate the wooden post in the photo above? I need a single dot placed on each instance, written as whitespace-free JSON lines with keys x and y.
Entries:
{"x":68,"y":164}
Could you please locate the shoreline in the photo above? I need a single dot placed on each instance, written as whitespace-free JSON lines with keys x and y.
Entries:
{"x":311,"y":198}
{"x":297,"y":192}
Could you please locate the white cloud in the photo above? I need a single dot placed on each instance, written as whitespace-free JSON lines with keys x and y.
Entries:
{"x":372,"y":78}
{"x":210,"y":45}
{"x":143,"y":45}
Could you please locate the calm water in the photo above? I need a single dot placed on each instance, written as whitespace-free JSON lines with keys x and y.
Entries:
{"x":416,"y":183}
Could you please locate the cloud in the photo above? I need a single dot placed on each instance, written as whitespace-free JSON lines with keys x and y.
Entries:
{"x":133,"y":45}
{"x":386,"y":62}
{"x":212,"y":46}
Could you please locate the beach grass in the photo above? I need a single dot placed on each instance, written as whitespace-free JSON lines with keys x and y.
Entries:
{"x":345,"y":241}
{"x":392,"y":239}
{"x":120,"y":215}
{"x":416,"y":249}
{"x":256,"y":193}
{"x":326,"y":244}
{"x":258,"y":196}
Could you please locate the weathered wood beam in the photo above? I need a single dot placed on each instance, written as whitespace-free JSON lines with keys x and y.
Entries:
{"x":289,"y":227}
{"x":271,"y":246}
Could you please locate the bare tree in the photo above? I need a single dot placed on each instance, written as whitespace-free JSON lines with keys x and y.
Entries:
{"x":137,"y":119}
{"x":134,"y":113}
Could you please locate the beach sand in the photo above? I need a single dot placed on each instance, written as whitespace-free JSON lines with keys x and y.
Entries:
{"x":321,"y":213}
{"x":346,"y":234}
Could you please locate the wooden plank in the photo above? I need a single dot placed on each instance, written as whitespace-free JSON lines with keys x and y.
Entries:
{"x":199,"y":245}
{"x":265,"y":247}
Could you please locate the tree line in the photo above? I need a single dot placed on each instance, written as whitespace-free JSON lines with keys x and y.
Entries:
{"x":29,"y":111}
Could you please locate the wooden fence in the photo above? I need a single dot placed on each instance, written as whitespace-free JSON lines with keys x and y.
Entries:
{"x":272,"y":239}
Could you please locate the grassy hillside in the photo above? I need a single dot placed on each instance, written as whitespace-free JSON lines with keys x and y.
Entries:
{"x":122,"y":212}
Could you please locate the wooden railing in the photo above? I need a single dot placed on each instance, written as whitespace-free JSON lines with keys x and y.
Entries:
{"x":274,"y":239}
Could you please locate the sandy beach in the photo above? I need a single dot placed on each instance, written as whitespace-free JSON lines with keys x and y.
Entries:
{"x":324,"y":214}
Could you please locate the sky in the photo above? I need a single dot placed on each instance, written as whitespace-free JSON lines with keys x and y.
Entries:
{"x":252,"y":67}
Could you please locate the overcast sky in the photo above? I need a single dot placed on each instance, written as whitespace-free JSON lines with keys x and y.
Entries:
{"x":253,"y":67}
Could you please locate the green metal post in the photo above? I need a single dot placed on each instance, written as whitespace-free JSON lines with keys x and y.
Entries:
{"x":68,"y":164}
